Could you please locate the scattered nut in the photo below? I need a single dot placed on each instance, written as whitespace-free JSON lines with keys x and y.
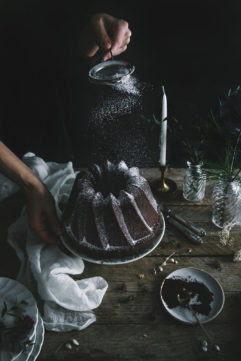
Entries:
{"x":164,"y":263}
{"x":145,"y":335}
{"x":141,"y":276}
{"x":172,"y":260}
{"x":189,"y":250}
{"x":204,"y":349}
{"x":204,"y":343}
{"x":216,"y":348}
{"x":176,"y":261}
{"x":68,"y":346}
{"x":160,"y":268}
{"x":217,"y":265}
{"x":154,"y":271}
{"x":75,"y":342}
{"x":237,"y":256}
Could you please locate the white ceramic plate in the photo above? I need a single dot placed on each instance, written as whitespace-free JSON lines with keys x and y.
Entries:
{"x":38,"y":343}
{"x":183,"y":314}
{"x":38,"y":340}
{"x":13,"y":292}
{"x":123,"y":260}
{"x":25,"y":355}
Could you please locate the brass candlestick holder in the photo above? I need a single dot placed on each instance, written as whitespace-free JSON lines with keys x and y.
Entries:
{"x":163,"y":186}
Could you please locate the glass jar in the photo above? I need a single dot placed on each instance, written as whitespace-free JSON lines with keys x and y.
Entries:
{"x":194,"y":182}
{"x":226,"y":203}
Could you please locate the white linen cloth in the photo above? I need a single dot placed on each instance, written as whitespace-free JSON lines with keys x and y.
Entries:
{"x":66,"y":304}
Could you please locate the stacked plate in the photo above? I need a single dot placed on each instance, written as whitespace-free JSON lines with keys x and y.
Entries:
{"x":16,"y":302}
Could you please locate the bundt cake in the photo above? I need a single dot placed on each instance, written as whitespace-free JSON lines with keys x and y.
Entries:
{"x":111,"y":213}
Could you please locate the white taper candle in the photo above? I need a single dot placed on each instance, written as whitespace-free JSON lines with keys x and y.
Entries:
{"x":163,"y":135}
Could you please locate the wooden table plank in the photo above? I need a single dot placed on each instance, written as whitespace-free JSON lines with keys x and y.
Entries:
{"x":229,"y":275}
{"x":175,"y":241}
{"x":142,"y":342}
{"x":142,"y":324}
{"x":132,"y":324}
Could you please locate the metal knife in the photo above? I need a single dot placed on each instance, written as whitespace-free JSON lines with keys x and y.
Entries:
{"x":193,"y":237}
{"x":196,"y":229}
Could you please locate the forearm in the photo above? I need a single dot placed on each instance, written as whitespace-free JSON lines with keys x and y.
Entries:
{"x":12,"y":167}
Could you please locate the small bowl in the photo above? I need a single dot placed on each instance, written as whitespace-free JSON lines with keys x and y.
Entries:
{"x":183,"y":314}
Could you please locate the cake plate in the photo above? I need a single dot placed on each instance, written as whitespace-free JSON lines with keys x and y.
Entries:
{"x":124,"y":259}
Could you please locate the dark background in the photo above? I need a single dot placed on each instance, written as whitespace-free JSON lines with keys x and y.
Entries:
{"x":191,"y":47}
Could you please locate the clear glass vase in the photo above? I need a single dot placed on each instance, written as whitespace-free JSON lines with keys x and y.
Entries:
{"x":226,"y":204}
{"x":194,"y":182}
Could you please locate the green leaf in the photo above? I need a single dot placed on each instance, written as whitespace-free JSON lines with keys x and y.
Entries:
{"x":156,"y":120}
{"x":144,"y":118}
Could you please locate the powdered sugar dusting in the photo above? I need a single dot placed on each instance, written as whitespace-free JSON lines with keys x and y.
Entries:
{"x":130,"y":85}
{"x":98,"y":203}
{"x":116,"y":129}
{"x":134,"y":172}
{"x":126,"y":95}
{"x":122,"y":166}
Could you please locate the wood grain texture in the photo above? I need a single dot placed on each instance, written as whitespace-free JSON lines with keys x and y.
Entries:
{"x":155,"y":342}
{"x":141,"y":329}
{"x":132,"y":324}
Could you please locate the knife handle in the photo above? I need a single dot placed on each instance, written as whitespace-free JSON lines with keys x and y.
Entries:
{"x":193,"y":237}
{"x":196,"y":229}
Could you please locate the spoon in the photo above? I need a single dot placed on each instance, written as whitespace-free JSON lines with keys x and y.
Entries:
{"x":185,"y":301}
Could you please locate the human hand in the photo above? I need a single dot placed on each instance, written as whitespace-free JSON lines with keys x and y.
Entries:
{"x":42,"y":215}
{"x":106,"y":33}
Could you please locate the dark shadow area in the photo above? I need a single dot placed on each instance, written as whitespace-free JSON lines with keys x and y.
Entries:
{"x":49,"y":106}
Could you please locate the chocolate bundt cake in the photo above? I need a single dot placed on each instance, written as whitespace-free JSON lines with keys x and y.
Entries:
{"x":111,"y":213}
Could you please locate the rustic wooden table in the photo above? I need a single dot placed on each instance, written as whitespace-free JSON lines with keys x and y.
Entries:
{"x":131,"y":321}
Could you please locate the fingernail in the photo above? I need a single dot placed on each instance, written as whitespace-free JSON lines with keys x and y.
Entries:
{"x":106,"y":57}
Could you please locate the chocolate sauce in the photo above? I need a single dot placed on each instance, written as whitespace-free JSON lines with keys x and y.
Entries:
{"x":183,"y":286}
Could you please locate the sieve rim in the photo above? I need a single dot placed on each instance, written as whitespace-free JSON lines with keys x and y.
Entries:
{"x":96,"y":76}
